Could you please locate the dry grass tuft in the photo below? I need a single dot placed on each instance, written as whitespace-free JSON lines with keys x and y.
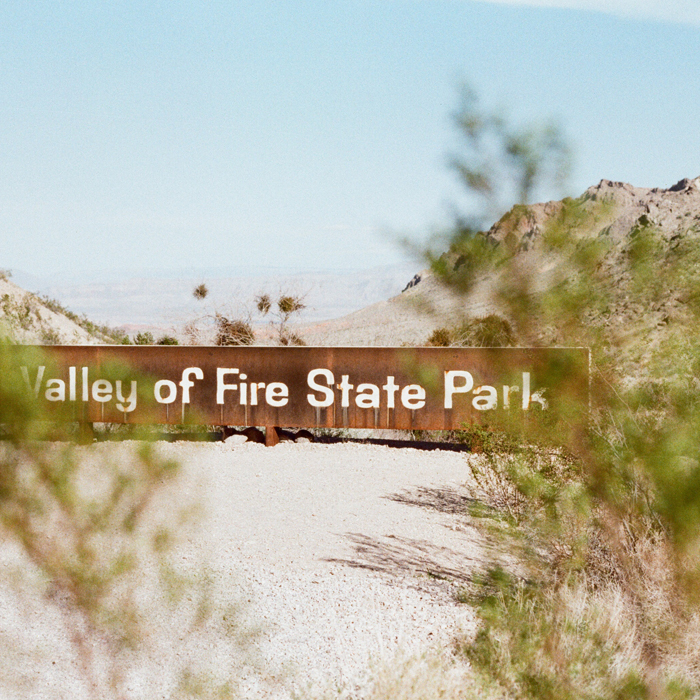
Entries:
{"x":490,"y":331}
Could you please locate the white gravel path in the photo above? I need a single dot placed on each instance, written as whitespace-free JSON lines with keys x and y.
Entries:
{"x":344,"y":554}
{"x":339,"y":569}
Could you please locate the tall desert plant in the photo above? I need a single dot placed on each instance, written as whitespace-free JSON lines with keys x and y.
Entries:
{"x":282,"y":310}
{"x":604,"y":602}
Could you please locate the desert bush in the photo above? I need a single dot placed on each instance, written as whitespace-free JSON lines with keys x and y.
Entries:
{"x":293,"y":339}
{"x":488,"y":440}
{"x":145,"y":338}
{"x":286,"y":306}
{"x":200,"y":292}
{"x":263,"y":303}
{"x":490,"y":331}
{"x":50,"y":336}
{"x":87,"y":551}
{"x":440,"y":338}
{"x":233,"y":329}
{"x":604,"y":520}
{"x":233,"y":332}
{"x":120,"y":337}
{"x":577,"y":644}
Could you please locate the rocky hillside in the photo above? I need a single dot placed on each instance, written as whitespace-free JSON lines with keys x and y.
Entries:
{"x":426,"y":304}
{"x":30,"y":319}
{"x":674,"y":211}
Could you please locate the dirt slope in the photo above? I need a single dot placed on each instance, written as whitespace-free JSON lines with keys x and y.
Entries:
{"x":25,"y":318}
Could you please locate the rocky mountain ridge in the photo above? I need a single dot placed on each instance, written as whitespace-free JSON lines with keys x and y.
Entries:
{"x":675,"y":211}
{"x":617,"y":211}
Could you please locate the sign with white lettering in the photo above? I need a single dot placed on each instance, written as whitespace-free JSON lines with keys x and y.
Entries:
{"x":402,"y":388}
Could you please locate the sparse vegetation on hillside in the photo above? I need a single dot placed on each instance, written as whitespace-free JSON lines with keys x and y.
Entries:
{"x":29,"y":315}
{"x":100,"y":332}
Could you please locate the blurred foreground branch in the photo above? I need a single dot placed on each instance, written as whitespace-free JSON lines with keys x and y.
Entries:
{"x":606,"y":523}
{"x":92,"y":572}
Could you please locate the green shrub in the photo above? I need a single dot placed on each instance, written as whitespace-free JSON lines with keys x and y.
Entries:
{"x":603,"y":524}
{"x":145,"y":338}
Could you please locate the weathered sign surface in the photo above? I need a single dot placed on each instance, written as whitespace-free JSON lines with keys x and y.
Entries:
{"x":404,"y":388}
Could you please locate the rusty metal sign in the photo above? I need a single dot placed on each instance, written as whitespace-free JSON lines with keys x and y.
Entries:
{"x":309,"y":387}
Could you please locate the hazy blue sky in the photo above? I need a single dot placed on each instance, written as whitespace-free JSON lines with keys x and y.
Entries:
{"x":205,"y":134}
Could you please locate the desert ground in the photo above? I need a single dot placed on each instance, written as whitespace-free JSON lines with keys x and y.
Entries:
{"x":343,"y":558}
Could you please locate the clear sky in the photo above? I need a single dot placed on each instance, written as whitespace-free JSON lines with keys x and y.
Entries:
{"x":298,"y":134}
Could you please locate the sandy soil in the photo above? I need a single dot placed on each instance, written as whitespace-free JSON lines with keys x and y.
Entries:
{"x":406,"y":319}
{"x":343,"y":554}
